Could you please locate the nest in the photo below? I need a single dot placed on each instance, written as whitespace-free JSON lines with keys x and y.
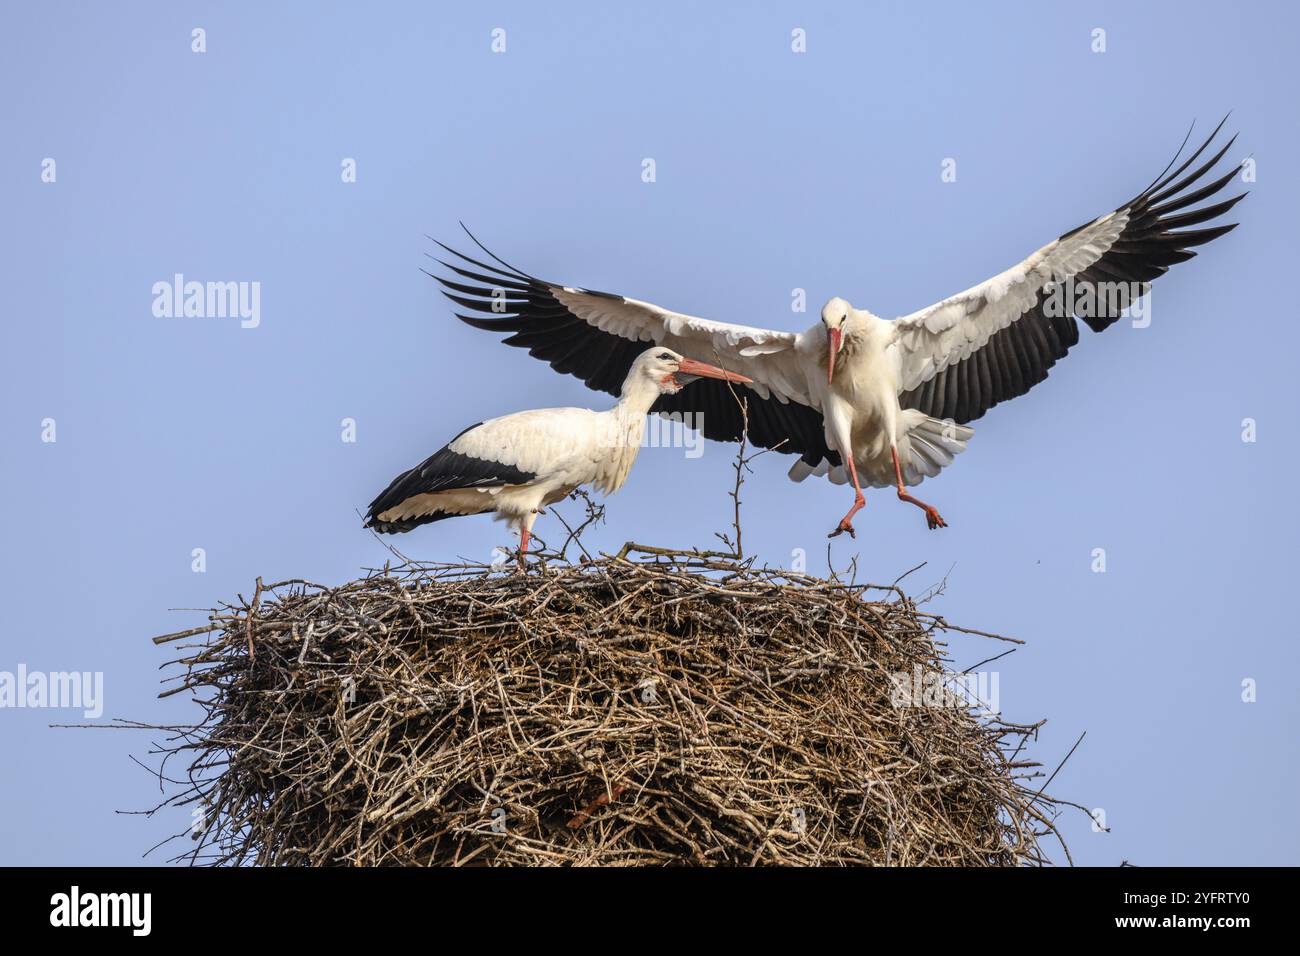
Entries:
{"x":678,"y":709}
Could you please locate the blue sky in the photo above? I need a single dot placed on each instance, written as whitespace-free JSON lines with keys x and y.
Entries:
{"x":775,"y":171}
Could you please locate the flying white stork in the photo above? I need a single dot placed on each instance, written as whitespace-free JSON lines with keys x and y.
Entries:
{"x":515,"y":465}
{"x":859,"y":398}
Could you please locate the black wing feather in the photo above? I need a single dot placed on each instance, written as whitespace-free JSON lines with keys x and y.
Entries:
{"x":444,"y":470}
{"x":1017,"y":358}
{"x":526,"y":307}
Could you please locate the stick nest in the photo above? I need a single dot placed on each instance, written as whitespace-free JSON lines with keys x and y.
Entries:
{"x":679,"y":710}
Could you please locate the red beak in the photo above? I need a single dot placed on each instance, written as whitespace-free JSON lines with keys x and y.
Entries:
{"x":692,"y":367}
{"x":834,"y":346}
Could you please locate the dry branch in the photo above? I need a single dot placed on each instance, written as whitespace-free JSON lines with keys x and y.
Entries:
{"x":683,"y":707}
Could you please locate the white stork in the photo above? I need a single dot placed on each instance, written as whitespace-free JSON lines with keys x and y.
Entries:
{"x":515,"y":465}
{"x":859,"y":398}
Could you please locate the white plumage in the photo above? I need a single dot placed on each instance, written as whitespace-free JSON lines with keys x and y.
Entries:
{"x":858,"y":398}
{"x":516,"y":465}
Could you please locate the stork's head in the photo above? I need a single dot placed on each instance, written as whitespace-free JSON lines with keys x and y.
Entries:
{"x":669,"y":372}
{"x":836,"y":316}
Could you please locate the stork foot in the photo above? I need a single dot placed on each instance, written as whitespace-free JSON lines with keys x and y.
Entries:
{"x":933,"y":519}
{"x":846,"y":523}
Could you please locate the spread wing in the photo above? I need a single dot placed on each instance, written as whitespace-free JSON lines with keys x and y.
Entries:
{"x":960,"y":357}
{"x":596,"y":336}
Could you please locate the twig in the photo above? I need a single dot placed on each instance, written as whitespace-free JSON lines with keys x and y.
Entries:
{"x":445,"y":713}
{"x":248,"y":622}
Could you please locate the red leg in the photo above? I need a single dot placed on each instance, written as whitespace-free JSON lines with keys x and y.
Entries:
{"x":932,"y":518}
{"x":523,"y":544}
{"x":859,"y":502}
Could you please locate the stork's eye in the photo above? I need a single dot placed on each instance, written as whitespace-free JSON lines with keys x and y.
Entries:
{"x":664,"y":356}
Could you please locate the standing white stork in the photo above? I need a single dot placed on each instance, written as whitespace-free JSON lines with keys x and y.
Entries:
{"x":857,"y":397}
{"x":515,"y":465}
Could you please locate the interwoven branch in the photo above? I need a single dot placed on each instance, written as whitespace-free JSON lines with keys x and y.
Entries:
{"x":650,"y":707}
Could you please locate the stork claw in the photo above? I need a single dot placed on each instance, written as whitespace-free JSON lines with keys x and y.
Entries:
{"x":933,"y":520}
{"x":843,"y":526}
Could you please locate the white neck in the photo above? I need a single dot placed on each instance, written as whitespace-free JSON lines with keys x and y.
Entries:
{"x":639,"y":394}
{"x":624,"y":433}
